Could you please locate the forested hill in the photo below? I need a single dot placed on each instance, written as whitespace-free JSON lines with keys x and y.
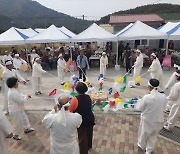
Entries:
{"x":165,"y":11}
{"x":28,"y":13}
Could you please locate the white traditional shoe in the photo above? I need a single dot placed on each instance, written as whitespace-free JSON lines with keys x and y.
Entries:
{"x":6,"y":112}
{"x":17,"y":137}
{"x":167,"y":128}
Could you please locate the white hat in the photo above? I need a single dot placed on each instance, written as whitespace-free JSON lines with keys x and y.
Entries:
{"x":9,"y":62}
{"x":153,"y":54}
{"x":177,"y":66}
{"x":60,"y":55}
{"x":138,"y":51}
{"x":103,"y":53}
{"x":16,"y":55}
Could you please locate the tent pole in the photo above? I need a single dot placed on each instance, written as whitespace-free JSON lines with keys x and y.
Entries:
{"x":117,"y":53}
{"x":167,"y":46}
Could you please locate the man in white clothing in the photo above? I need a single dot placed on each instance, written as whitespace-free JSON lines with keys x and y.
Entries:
{"x":103,"y":64}
{"x":7,"y":56}
{"x":33,"y":56}
{"x":63,"y":128}
{"x":61,"y":65}
{"x":17,"y":62}
{"x":9,"y":72}
{"x":156,"y":70}
{"x":138,"y":66}
{"x":37,"y":75}
{"x":5,"y":133}
{"x":16,"y":102}
{"x":151,"y":107}
{"x":170,"y":83}
{"x":174,"y":97}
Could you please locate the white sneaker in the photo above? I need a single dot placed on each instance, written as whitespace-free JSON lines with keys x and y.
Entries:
{"x":6,"y":112}
{"x":167,"y":128}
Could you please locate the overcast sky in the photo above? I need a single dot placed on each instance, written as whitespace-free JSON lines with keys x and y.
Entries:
{"x":94,"y":9}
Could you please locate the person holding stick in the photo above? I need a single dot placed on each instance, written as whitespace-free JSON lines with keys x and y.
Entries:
{"x":152,"y":118}
{"x":82,"y":63}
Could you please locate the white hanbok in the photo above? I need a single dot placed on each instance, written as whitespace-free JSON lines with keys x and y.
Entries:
{"x":33,"y":56}
{"x":5,"y":129}
{"x":156,"y":72}
{"x":16,"y":103}
{"x":7,"y":74}
{"x":36,"y":76}
{"x":63,"y":138}
{"x":170,"y":83}
{"x":61,"y":65}
{"x":174,"y":96}
{"x":151,"y":107}
{"x":17,"y":65}
{"x":138,"y":66}
{"x":7,"y":57}
{"x":103,"y":65}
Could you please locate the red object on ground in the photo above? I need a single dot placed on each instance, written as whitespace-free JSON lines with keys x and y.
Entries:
{"x":112,"y":103}
{"x":53,"y":92}
{"x":116,"y":94}
{"x":100,"y":84}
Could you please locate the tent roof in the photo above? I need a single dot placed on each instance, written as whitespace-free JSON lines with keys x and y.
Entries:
{"x":168,"y":26}
{"x":67,"y":31}
{"x":124,"y":29}
{"x":175,"y":33}
{"x":140,"y":30}
{"x":39,"y":29}
{"x":28,"y":32}
{"x":50,"y":35}
{"x":93,"y":33}
{"x":12,"y":37}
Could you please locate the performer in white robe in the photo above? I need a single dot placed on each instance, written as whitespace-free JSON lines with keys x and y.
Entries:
{"x":37,"y":75}
{"x":61,"y":65}
{"x":7,"y":56}
{"x":174,"y":96}
{"x":151,"y":107}
{"x":17,"y":62}
{"x":9,"y":72}
{"x":16,"y":103}
{"x":5,"y":133}
{"x":170,"y":84}
{"x":156,"y":70}
{"x":63,"y":128}
{"x":138,"y":65}
{"x":33,"y":56}
{"x":103,"y":64}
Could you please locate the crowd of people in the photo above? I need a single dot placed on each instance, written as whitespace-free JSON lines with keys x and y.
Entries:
{"x":72,"y":118}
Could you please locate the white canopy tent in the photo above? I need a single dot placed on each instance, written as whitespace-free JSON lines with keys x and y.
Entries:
{"x":12,"y":37}
{"x":39,"y":30}
{"x":168,"y":26}
{"x":28,"y":32}
{"x":93,"y":33}
{"x":67,"y":31}
{"x":174,"y":34}
{"x":140,"y":31}
{"x":124,"y":29}
{"x":51,"y":35}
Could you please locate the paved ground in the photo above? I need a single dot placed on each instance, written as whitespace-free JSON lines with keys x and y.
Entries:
{"x":114,"y":133}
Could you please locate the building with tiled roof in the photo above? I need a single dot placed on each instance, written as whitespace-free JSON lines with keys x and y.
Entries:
{"x":121,"y":21}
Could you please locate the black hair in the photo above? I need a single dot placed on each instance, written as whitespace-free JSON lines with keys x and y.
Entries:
{"x":81,"y":87}
{"x":154,"y":82}
{"x":11,"y":82}
{"x":178,"y":77}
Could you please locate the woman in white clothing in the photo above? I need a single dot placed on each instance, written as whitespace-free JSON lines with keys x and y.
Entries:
{"x":37,"y":75}
{"x":61,"y":65}
{"x":103,"y":64}
{"x":16,"y":102}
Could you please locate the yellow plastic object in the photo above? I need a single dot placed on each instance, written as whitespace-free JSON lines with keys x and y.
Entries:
{"x":66,"y":86}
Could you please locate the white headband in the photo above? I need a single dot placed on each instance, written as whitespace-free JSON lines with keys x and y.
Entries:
{"x":8,"y":63}
{"x":177,"y":66}
{"x":153,"y":54}
{"x":177,"y":74}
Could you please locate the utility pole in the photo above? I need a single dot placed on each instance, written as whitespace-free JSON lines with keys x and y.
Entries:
{"x":83,"y":22}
